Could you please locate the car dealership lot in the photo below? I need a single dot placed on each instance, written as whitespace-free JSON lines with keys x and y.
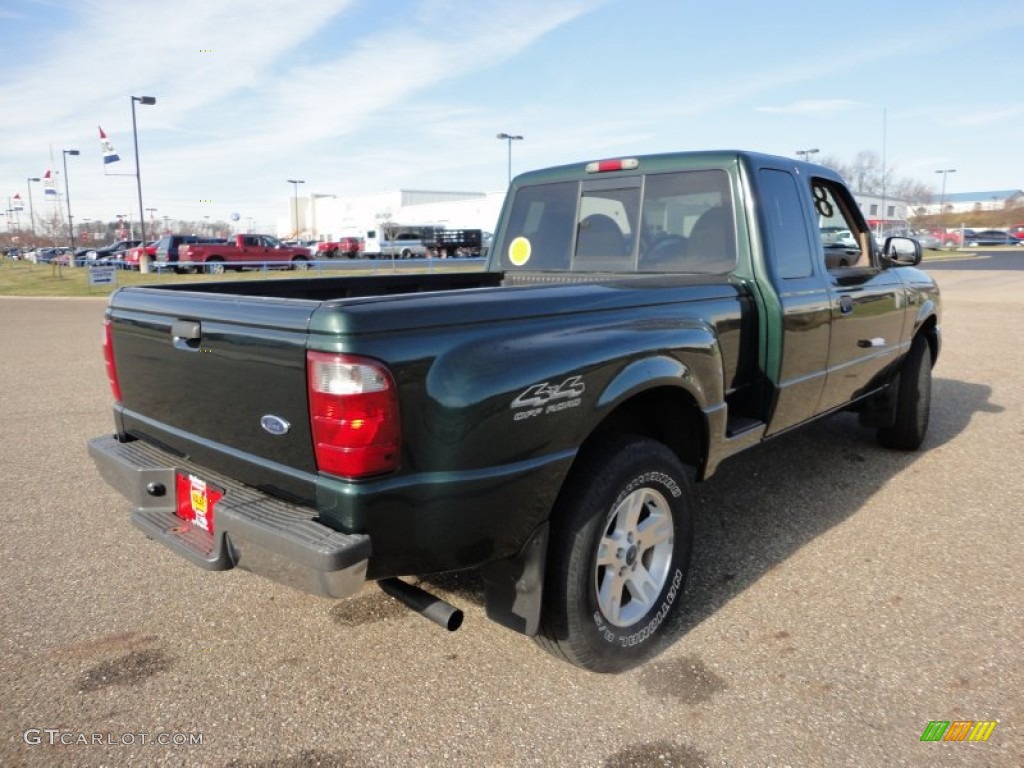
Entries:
{"x":842,"y":597}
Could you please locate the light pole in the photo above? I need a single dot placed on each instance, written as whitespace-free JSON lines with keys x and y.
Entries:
{"x":17,"y":218}
{"x":152,"y":226}
{"x":942,"y":199}
{"x":67,"y":197}
{"x":295,"y":198}
{"x":31,"y":211}
{"x":148,"y":100}
{"x":806,"y":153}
{"x":509,"y":138}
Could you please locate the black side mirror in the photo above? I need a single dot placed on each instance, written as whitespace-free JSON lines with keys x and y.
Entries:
{"x":901,"y":252}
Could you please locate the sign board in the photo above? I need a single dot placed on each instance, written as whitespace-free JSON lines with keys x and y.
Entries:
{"x":103,"y":274}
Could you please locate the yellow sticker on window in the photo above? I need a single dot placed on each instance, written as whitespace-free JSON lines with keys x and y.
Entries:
{"x":519,"y":251}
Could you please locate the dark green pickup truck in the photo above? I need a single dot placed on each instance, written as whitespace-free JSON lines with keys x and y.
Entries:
{"x":641,"y":320}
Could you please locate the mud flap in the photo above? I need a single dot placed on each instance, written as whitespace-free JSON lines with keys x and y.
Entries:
{"x":514,"y":587}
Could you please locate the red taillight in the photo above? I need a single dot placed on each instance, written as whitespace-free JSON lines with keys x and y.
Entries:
{"x":353,"y":408}
{"x":108,"y":360}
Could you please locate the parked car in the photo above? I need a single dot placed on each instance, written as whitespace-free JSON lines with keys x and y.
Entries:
{"x":950,"y":239}
{"x":983,"y":237}
{"x":453,"y":243}
{"x":925,"y":238}
{"x":243,"y":251}
{"x":166,"y":251}
{"x":46,"y":255}
{"x":133,"y":256}
{"x":342,"y":246}
{"x":105,"y":255}
{"x":1017,"y":231}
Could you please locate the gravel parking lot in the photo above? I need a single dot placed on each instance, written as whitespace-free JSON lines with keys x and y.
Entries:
{"x":842,"y":597}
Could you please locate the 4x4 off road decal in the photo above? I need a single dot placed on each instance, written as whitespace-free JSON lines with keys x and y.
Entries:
{"x":548,"y":398}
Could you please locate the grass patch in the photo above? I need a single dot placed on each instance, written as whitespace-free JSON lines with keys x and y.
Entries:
{"x":23,"y":278}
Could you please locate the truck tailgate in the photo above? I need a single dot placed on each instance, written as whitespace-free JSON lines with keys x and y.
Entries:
{"x":198,"y":375}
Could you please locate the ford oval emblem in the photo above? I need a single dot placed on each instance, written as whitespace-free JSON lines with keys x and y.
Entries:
{"x":275,"y":425}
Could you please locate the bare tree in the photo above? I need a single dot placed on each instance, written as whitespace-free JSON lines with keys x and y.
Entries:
{"x":865,"y":176}
{"x":913,"y":191}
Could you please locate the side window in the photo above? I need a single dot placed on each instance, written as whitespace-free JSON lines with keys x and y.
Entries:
{"x":785,"y":224}
{"x":845,"y":243}
{"x":687,"y":224}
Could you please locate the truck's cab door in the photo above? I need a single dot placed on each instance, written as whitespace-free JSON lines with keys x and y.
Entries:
{"x":867,"y":300}
{"x":800,"y":365}
{"x":266,"y":246}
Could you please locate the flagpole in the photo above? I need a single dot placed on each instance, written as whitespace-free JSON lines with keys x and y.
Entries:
{"x":32,"y":212}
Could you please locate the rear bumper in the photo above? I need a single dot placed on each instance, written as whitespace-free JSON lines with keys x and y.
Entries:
{"x":272,"y":538}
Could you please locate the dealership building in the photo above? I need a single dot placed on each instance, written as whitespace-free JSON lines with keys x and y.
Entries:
{"x":326,"y":217}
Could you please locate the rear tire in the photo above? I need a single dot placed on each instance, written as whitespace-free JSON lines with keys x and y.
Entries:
{"x":913,"y":400}
{"x":215,"y":266}
{"x":621,"y":537}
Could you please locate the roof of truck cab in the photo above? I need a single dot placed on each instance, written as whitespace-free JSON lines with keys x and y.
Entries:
{"x":665,"y":162}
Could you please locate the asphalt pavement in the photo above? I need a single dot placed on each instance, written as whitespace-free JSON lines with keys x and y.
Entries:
{"x":842,"y":597}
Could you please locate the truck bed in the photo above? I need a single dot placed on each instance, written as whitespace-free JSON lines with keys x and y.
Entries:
{"x":328,"y":288}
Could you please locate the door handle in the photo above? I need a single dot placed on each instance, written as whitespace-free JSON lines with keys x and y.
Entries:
{"x":845,"y":304}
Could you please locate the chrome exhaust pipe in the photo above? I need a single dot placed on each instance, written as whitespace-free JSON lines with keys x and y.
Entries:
{"x":429,"y":606}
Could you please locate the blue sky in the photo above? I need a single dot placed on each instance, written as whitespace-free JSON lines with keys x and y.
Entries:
{"x":362,"y":96}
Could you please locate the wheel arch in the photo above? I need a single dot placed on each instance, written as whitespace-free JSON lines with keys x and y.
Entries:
{"x":929,"y":328}
{"x":662,"y":397}
{"x":667,"y":413}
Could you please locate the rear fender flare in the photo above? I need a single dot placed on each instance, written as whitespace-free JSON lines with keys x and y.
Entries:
{"x":928,"y":315}
{"x":650,"y":372}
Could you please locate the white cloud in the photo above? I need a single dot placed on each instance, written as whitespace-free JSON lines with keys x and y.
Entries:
{"x":813,"y":107}
{"x":978,"y":115}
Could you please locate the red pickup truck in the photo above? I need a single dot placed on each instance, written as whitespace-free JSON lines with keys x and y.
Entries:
{"x":951,"y":238}
{"x":243,"y":251}
{"x":133,"y":256}
{"x":343,"y":246}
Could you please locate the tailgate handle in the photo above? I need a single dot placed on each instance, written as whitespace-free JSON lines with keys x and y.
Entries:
{"x":186,"y":334}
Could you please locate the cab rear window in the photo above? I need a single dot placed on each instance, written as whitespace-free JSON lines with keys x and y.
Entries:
{"x":679,"y":222}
